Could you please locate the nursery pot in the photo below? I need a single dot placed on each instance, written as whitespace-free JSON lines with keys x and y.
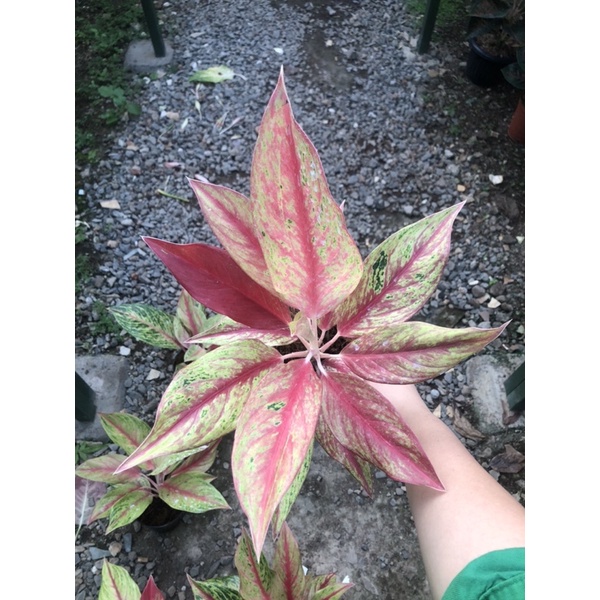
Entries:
{"x":484,"y":69}
{"x":516,"y":129}
{"x":160,"y":517}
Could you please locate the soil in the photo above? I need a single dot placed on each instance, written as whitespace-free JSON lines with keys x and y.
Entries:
{"x":370,"y":541}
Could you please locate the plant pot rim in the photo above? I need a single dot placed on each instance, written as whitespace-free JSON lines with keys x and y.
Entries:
{"x":499,"y":60}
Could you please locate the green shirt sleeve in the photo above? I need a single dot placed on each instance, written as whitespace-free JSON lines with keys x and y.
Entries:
{"x":497,"y":575}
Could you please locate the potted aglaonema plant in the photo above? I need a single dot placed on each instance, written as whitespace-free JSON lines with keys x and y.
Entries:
{"x":309,"y":325}
{"x":496,"y":31}
{"x":156,"y":491}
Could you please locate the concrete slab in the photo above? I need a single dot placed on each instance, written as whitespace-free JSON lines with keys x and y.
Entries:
{"x":106,"y":376}
{"x":486,"y":376}
{"x":140,"y":57}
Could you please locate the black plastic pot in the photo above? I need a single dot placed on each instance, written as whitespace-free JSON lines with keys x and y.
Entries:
{"x":160,"y":517}
{"x":484,"y":69}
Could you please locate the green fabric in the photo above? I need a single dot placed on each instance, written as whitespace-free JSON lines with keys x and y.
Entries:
{"x":498,"y":575}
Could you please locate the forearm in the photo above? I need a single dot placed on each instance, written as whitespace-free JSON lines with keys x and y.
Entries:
{"x":473,"y":516}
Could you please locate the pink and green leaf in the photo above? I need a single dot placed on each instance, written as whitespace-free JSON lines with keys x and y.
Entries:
{"x":364,"y":422}
{"x":147,"y":324}
{"x":332,"y":591}
{"x":117,"y":584}
{"x":413,"y":352}
{"x":229,"y":215}
{"x":200,"y":461}
{"x":190,"y":313}
{"x":287,"y":565}
{"x":284,"y":507}
{"x":215,"y":280}
{"x":204,"y":399}
{"x":313,"y":262}
{"x":102,"y":468}
{"x":274,"y":433}
{"x":129,"y":507}
{"x":357,"y":467}
{"x":399,"y":277}
{"x":225,"y":331}
{"x":117,"y":492}
{"x":219,"y":588}
{"x":191,"y":492}
{"x":256,"y":577}
{"x":127,"y":431}
{"x":151,"y":591}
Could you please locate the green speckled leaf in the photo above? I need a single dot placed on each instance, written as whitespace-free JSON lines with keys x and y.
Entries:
{"x":204,"y":399}
{"x":147,"y":324}
{"x":313,"y":262}
{"x":127,"y":431}
{"x":413,"y":352}
{"x":191,"y":492}
{"x":215,"y":74}
{"x":363,"y":421}
{"x":399,"y":277}
{"x":256,"y":577}
{"x":128,"y":508}
{"x":274,"y":433}
{"x":220,"y":588}
{"x":117,"y":584}
{"x":102,"y":468}
{"x":284,"y":507}
{"x":105,"y":504}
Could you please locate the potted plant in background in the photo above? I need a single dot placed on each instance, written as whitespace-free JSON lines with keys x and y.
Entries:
{"x":154,"y":491}
{"x":514,"y":73}
{"x":496,"y":32}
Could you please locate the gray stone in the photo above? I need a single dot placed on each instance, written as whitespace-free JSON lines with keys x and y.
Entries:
{"x":140,"y":57}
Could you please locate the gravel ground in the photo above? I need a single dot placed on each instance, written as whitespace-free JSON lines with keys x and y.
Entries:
{"x":400,"y":136}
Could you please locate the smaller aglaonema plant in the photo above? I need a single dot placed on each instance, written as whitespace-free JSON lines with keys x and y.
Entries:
{"x":308,"y":326}
{"x":284,"y":580}
{"x":180,"y":480}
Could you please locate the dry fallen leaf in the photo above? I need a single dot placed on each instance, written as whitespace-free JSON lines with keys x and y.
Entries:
{"x":111,"y":204}
{"x":510,"y":461}
{"x":462,"y":425}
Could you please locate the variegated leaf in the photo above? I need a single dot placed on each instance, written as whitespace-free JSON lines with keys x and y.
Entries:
{"x":190,"y":313}
{"x":212,"y":277}
{"x":200,"y":461}
{"x":168,"y":463}
{"x":273,"y":435}
{"x":194,"y":352}
{"x":363,"y":421}
{"x":256,"y":577}
{"x":413,"y":352}
{"x":117,"y":584}
{"x":332,"y":591}
{"x":147,"y":324}
{"x":191,"y":492}
{"x":127,"y":431}
{"x":313,"y":262}
{"x":102,"y":468}
{"x":151,"y":591}
{"x":357,"y":467}
{"x":219,"y":588}
{"x":105,"y":504}
{"x":229,"y":215}
{"x":225,"y":331}
{"x":284,"y":507}
{"x":399,"y":277}
{"x":204,"y":399}
{"x":129,"y":508}
{"x":288,"y":565}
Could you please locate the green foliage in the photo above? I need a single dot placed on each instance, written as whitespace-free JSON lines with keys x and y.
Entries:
{"x":83,"y":271}
{"x":449,"y":11}
{"x":105,"y":323}
{"x":85,"y":450}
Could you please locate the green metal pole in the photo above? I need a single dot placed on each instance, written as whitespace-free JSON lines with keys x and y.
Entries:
{"x":430,"y":16}
{"x":153,"y":28}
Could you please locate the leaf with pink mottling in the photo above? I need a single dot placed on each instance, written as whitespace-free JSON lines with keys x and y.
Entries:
{"x":313,"y":262}
{"x":413,"y":352}
{"x":273,"y":435}
{"x":399,"y":277}
{"x":364,"y":422}
{"x":287,"y":565}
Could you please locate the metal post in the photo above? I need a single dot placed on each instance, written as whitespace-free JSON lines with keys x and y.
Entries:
{"x":430,"y":16}
{"x":85,"y":408}
{"x":153,"y":28}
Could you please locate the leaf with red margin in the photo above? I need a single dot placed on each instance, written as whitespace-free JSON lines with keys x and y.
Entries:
{"x":229,"y":215}
{"x":128,"y":508}
{"x":102,"y":468}
{"x":104,"y":506}
{"x":359,"y":469}
{"x":204,"y":399}
{"x":313,"y":262}
{"x":273,"y":435}
{"x":219,"y":588}
{"x":190,"y":314}
{"x":151,"y":591}
{"x":192,"y":492}
{"x":117,"y":584}
{"x":212,"y":278}
{"x":413,"y":352}
{"x":399,"y":277}
{"x":364,"y":422}
{"x":288,"y":565}
{"x":256,"y":577}
{"x":127,"y":431}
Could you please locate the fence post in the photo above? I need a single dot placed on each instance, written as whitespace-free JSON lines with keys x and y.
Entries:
{"x":153,"y":28}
